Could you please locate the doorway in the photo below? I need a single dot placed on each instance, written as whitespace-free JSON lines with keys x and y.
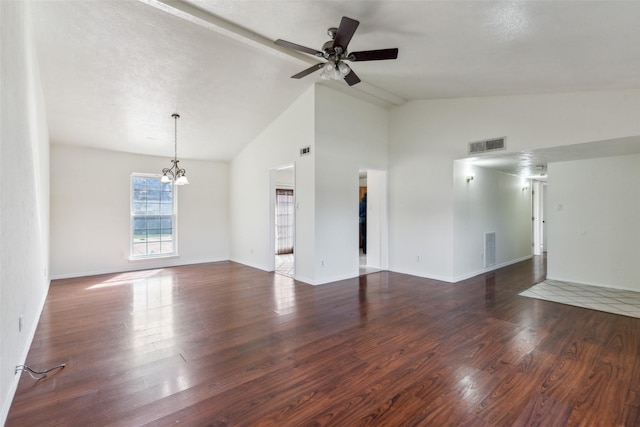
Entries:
{"x":539,"y":213}
{"x":283,"y":224}
{"x":373,"y":236}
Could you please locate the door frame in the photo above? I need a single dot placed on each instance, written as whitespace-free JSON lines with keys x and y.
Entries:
{"x":273,"y":184}
{"x":377,"y":219}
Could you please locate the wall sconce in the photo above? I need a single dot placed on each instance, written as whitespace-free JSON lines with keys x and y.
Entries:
{"x":469,"y":178}
{"x":525,"y":185}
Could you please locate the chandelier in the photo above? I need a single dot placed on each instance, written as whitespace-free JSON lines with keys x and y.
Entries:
{"x":174,"y":172}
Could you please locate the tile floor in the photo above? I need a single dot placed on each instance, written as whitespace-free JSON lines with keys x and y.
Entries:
{"x":616,"y":301}
{"x":284,"y":265}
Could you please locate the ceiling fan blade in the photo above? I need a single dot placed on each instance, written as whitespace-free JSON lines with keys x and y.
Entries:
{"x":294,"y":46}
{"x":345,"y":32}
{"x":308,"y":71}
{"x":351,"y":78}
{"x":373,"y":55}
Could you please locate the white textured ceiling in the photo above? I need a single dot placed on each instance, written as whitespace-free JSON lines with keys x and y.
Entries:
{"x":114,"y":71}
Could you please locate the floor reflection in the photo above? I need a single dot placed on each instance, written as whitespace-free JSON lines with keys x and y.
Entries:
{"x":152,"y":311}
{"x":490,"y":291}
{"x":363,"y":307}
{"x":126,"y":278}
{"x":284,"y":294}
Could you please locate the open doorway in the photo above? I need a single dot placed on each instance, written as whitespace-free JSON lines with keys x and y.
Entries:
{"x":539,"y":213}
{"x":362,"y":221}
{"x":283,"y":209}
{"x":372,"y":218}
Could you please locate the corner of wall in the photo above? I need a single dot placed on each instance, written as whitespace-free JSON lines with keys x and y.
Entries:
{"x":24,"y":196}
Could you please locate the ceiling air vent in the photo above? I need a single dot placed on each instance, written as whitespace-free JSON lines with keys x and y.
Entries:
{"x":487,"y":145}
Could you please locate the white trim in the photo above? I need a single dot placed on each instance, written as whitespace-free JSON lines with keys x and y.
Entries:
{"x":589,"y":283}
{"x":457,"y":279}
{"x":174,"y":219}
{"x":491,"y":268}
{"x":448,"y":280}
{"x":329,"y":280}
{"x":253,"y":265}
{"x":148,"y":257}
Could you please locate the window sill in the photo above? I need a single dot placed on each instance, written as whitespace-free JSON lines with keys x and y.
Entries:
{"x":150,"y":258}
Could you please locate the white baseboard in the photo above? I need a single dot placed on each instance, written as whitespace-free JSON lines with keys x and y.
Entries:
{"x":424,"y":276}
{"x":589,"y":283}
{"x":492,"y":268}
{"x":460,"y":278}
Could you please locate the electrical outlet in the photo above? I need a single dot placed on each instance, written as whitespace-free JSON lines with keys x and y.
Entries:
{"x":20,"y":323}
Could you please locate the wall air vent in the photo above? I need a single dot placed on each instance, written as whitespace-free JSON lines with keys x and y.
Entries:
{"x":489,"y":249}
{"x":487,"y":145}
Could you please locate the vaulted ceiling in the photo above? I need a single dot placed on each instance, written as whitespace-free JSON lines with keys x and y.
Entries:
{"x":113,"y":72}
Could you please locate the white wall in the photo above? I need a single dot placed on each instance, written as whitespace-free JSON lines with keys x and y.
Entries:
{"x":90,"y":205}
{"x":345,"y":135}
{"x":24,"y":196}
{"x":351,"y":135}
{"x":278,"y":145}
{"x":285,"y":178}
{"x":593,"y":218}
{"x":492,"y":202}
{"x":427,"y":136}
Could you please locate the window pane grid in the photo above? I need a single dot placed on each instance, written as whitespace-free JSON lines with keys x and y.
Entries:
{"x":152,"y":216}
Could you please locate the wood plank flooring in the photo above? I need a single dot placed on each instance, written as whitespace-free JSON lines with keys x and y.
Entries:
{"x":222,"y":344}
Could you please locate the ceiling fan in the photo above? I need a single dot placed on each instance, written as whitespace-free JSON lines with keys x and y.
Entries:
{"x":335,"y":52}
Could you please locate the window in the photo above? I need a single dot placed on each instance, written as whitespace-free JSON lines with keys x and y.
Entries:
{"x":153,"y":217}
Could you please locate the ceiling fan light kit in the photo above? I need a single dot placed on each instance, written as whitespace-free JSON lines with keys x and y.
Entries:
{"x":335,"y":53}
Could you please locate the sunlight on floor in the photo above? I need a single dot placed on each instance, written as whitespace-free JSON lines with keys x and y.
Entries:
{"x":126,"y":278}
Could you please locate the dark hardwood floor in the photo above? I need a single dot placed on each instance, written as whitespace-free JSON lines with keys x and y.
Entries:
{"x":223,"y":344}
